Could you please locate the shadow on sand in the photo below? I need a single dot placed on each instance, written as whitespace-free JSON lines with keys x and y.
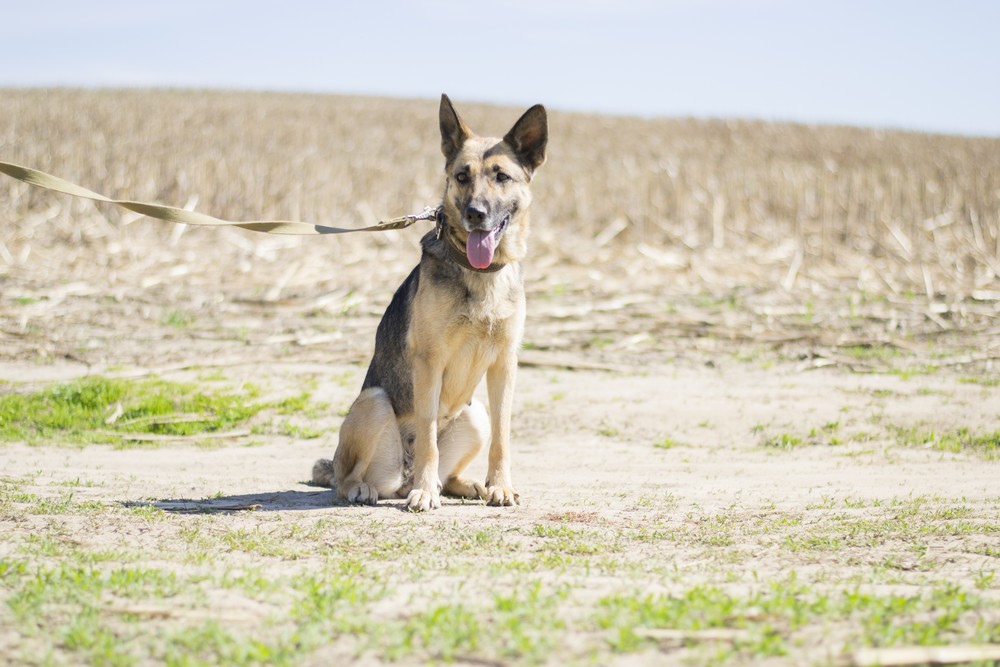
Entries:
{"x":271,"y":501}
{"x":267,"y":501}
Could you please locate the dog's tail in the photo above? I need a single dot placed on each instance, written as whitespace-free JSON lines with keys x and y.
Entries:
{"x":324,"y":473}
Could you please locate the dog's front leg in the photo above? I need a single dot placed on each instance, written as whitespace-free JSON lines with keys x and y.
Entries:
{"x":426,"y":492}
{"x":500,"y":386}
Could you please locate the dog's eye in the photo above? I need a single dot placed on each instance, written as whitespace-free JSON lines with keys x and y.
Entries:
{"x":502,"y":177}
{"x":462,"y":177}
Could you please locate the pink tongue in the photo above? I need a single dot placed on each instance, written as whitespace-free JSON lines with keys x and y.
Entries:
{"x":480,"y":248}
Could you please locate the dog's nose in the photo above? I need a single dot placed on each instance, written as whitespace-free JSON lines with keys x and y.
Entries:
{"x":474,"y":216}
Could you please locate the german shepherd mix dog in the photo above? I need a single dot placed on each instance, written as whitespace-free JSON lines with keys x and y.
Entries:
{"x":457,"y":317}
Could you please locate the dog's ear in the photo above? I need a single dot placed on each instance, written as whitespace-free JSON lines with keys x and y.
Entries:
{"x":453,"y":131}
{"x":529,"y":136}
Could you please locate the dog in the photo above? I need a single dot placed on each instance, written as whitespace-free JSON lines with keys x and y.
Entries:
{"x":415,"y":426}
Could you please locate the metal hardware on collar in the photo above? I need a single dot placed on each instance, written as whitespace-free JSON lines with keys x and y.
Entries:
{"x":439,"y":222}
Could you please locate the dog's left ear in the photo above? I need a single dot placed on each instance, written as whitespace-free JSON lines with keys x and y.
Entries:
{"x":529,"y":136}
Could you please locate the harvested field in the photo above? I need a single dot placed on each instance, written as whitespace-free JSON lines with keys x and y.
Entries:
{"x":757,"y":417}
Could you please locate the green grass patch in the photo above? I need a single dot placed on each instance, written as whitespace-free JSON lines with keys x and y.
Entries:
{"x":565,"y":540}
{"x":299,"y":431}
{"x":79,"y":585}
{"x":668,"y":443}
{"x":782,"y":441}
{"x":825,"y":435}
{"x":537,"y":611}
{"x":522,"y":625}
{"x":607,"y":430}
{"x":259,"y":542}
{"x":766,"y":622}
{"x":957,"y":441}
{"x":876,"y":353}
{"x":301,"y":404}
{"x":599,"y":342}
{"x":708,"y":608}
{"x":900,"y":528}
{"x":982,"y":381}
{"x":212,"y":643}
{"x":107,"y":410}
{"x":809,"y":542}
{"x":178,"y":319}
{"x":86,"y":614}
{"x":910,"y":373}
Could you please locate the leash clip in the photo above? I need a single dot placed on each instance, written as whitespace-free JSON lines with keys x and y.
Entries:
{"x":439,"y":219}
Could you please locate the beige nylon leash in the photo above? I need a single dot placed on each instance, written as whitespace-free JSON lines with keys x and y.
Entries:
{"x":182,"y":216}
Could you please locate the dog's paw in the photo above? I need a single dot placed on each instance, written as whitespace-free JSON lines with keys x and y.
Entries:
{"x":421,"y":500}
{"x":502,"y":496}
{"x":464,"y":488}
{"x":362,"y":494}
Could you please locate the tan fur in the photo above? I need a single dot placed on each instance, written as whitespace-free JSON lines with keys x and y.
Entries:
{"x":459,"y":330}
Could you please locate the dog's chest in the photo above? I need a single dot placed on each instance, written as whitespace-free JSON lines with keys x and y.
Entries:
{"x":483,"y":325}
{"x":484,"y":306}
{"x":490,"y":302}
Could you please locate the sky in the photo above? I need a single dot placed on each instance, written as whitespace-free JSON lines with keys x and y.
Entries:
{"x":931,"y":66}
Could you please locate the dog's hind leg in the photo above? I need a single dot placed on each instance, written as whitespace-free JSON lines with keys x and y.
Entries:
{"x":458,"y":444}
{"x":368,"y":463}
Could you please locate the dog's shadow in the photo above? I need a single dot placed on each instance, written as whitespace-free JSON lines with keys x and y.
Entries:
{"x":269,"y":501}
{"x":266,"y":501}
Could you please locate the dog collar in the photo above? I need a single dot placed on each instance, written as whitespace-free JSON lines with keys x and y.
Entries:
{"x":441,"y":232}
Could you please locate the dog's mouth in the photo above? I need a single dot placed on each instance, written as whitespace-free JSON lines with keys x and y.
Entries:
{"x":482,"y":244}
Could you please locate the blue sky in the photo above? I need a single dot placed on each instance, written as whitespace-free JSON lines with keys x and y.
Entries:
{"x":917,"y":65}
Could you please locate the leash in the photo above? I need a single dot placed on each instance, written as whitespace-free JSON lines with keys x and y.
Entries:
{"x":182,"y":216}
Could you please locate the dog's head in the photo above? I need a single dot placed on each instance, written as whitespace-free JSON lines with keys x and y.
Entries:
{"x":487,"y":193}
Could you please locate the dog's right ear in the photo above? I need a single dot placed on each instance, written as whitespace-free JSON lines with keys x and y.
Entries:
{"x":453,"y":131}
